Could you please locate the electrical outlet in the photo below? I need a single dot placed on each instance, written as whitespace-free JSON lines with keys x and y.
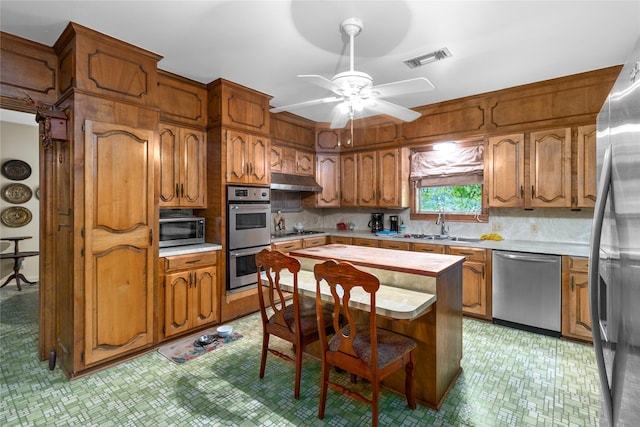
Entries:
{"x":534,"y":228}
{"x":496,"y":226}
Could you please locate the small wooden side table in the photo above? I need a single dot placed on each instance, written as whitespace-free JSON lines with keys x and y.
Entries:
{"x":17,"y":257}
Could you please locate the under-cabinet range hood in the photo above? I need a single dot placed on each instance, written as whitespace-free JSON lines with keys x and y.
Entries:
{"x":288,"y":182}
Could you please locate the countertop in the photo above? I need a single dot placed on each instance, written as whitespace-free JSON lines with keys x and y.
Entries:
{"x":189,"y":249}
{"x":422,"y":264}
{"x":553,"y":248}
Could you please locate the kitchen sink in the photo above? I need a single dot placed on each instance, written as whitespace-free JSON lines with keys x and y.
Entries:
{"x":464,"y":239}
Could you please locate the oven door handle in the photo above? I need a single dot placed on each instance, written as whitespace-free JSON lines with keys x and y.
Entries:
{"x":251,"y":207}
{"x":245,"y":253}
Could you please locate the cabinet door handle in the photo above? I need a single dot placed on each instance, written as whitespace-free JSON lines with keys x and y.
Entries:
{"x":177,"y":190}
{"x":193,"y":261}
{"x":521,"y":191}
{"x":181,"y":190}
{"x":195,"y":280}
{"x":571,"y":283}
{"x":532,"y":192}
{"x":150,"y":236}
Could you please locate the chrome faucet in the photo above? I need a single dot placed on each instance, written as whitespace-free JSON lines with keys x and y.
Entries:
{"x":444,"y":230}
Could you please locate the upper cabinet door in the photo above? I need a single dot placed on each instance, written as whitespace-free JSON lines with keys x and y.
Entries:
{"x":182,"y":167}
{"x":586,"y":164}
{"x":258,"y":160}
{"x":348,"y":180}
{"x":505,"y":170}
{"x":368,"y":179}
{"x":550,"y":169}
{"x":119,"y":245}
{"x":237,"y":164}
{"x":328,"y":176}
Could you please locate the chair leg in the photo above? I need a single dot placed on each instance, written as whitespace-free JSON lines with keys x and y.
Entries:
{"x":296,"y":390}
{"x":263,"y":359}
{"x":324,"y":384}
{"x":374,"y":401}
{"x":408,"y":382}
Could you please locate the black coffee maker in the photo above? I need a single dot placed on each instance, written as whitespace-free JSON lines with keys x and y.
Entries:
{"x":377,"y":222}
{"x":393,"y":223}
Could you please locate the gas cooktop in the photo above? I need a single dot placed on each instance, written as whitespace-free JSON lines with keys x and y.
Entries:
{"x":294,"y":233}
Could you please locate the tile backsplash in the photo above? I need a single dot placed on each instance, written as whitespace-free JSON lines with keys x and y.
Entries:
{"x":544,"y":225}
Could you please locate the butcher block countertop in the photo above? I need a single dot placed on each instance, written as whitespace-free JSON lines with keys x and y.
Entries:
{"x":423,"y":264}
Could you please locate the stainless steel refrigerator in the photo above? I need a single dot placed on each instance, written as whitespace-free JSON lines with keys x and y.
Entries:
{"x":614,"y":264}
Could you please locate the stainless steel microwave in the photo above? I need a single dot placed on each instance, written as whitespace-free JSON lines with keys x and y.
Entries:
{"x":179,"y":231}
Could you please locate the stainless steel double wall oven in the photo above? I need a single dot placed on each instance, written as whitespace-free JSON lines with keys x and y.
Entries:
{"x":248,"y":232}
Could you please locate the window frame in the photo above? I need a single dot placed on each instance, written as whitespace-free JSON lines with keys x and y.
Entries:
{"x":483,"y":216}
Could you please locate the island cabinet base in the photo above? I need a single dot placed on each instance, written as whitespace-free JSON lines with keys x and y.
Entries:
{"x":438,"y":335}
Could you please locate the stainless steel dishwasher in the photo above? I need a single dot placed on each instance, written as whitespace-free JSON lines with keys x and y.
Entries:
{"x":526,"y":291}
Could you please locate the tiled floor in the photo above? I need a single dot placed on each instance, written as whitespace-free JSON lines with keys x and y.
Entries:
{"x":510,"y":378}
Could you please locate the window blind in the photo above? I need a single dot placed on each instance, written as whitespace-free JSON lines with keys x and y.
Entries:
{"x":458,"y":166}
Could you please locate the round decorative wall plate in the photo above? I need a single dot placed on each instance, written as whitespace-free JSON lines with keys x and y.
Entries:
{"x":16,"y":193}
{"x":16,"y":216}
{"x":16,"y":170}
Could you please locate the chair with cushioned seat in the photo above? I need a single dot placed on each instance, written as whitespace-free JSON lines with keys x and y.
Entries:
{"x":362,"y":350}
{"x":291,"y":319}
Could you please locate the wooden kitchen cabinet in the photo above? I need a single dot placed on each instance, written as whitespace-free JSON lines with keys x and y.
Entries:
{"x":363,"y":241}
{"x":247,"y":158}
{"x":183,"y":154}
{"x":311,"y":242}
{"x":550,"y":168}
{"x":287,"y":246}
{"x":328,"y":177}
{"x":190,"y":292}
{"x":291,"y":161}
{"x":576,"y":318}
{"x":342,"y":240}
{"x":348,"y":180}
{"x":117,"y":232}
{"x":586,"y":167}
{"x":428,"y":247}
{"x":548,"y":183}
{"x":476,"y":280}
{"x":505,"y":171}
{"x":383,"y":178}
{"x":392,"y":244}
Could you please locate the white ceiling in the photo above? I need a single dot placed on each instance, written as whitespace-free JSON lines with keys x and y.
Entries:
{"x":265,"y":44}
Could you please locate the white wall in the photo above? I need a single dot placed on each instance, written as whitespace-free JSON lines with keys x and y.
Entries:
{"x":19,"y":140}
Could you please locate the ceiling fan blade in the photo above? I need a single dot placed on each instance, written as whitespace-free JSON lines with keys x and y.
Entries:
{"x":320,"y":81}
{"x":338,"y":118}
{"x":380,"y":106}
{"x":304,"y":104}
{"x":402,"y":87}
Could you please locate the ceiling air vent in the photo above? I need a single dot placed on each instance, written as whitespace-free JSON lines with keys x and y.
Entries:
{"x":428,"y":58}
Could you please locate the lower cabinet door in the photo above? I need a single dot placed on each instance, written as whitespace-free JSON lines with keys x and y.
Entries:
{"x":474,"y":295}
{"x":177,"y":290}
{"x":204,"y":309}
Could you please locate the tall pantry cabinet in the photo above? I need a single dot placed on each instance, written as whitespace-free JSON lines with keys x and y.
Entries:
{"x":102,"y":225}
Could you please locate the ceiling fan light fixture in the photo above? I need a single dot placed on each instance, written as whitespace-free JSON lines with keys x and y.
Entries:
{"x":428,"y":58}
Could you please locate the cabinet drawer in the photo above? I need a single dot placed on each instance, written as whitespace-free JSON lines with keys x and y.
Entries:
{"x":360,"y":241}
{"x":471,"y":254}
{"x":386,"y":244}
{"x":579,"y":264}
{"x":189,"y":261}
{"x":288,"y":246}
{"x":310,"y":242}
{"x":427,"y":247}
{"x":340,"y":240}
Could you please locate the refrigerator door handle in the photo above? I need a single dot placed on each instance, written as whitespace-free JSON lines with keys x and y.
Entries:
{"x":604,"y":187}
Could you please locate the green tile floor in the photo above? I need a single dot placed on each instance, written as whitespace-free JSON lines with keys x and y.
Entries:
{"x":510,"y":378}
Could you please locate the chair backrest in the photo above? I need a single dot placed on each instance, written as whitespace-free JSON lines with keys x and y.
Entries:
{"x":343,"y":278}
{"x":272,"y":263}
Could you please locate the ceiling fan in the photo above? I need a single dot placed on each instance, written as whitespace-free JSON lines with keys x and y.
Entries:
{"x":355,"y":94}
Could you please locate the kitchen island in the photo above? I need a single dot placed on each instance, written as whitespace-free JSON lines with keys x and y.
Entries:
{"x":435,"y":322}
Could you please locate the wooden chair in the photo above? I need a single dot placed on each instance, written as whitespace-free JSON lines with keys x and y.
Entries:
{"x":360,"y":349}
{"x":291,"y":320}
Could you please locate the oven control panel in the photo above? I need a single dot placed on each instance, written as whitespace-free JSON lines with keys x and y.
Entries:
{"x":248,"y":194}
